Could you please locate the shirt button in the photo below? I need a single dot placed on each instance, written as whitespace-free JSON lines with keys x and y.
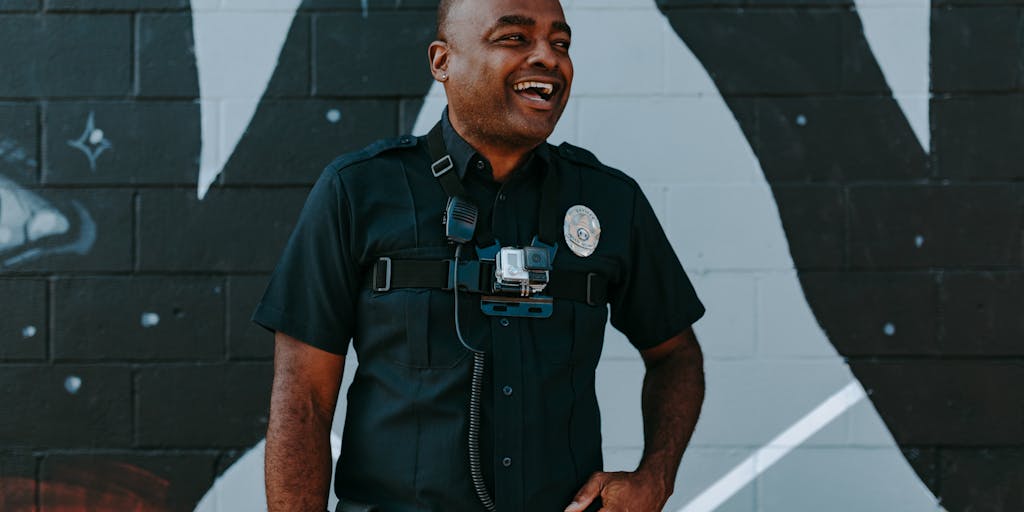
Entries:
{"x":480,"y":164}
{"x":504,"y":322}
{"x":507,"y":390}
{"x":507,"y":461}
{"x":501,"y":197}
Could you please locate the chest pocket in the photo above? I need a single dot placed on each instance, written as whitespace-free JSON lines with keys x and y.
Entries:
{"x":413,"y":327}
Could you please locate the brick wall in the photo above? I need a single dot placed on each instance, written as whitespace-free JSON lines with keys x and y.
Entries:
{"x":841,"y":181}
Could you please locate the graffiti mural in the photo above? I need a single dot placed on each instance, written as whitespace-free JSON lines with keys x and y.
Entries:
{"x":840,"y":179}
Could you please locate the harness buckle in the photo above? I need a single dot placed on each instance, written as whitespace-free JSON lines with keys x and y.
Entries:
{"x":387,"y":274}
{"x":590,"y":289}
{"x":441,"y":166}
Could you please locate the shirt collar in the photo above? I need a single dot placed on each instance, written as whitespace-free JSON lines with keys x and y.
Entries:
{"x":463,"y":155}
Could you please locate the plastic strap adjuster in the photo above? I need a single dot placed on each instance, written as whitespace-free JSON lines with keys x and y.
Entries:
{"x":590,"y":289}
{"x":386,"y":286}
{"x":441,"y":166}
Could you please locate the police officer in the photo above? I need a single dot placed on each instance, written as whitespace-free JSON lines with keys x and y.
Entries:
{"x":370,"y":261}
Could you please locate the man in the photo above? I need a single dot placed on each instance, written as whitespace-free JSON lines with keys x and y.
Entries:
{"x":369,"y":261}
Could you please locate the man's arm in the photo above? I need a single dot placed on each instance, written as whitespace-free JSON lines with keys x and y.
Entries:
{"x":298,"y":450}
{"x":672,"y":395}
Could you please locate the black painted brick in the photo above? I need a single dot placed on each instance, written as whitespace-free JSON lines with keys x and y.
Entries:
{"x":961,"y":225}
{"x":101,"y":318}
{"x":121,"y":5}
{"x":110,"y":214}
{"x":167,"y":59}
{"x":17,"y":482}
{"x":861,"y":72}
{"x":925,"y":462}
{"x":854,"y":308}
{"x":151,"y":142}
{"x":19,"y":143}
{"x":62,"y":55}
{"x":680,"y":4}
{"x":751,"y":51}
{"x":979,"y":137}
{"x":23,"y":326}
{"x":19,"y":5}
{"x":408,"y":112}
{"x":247,"y":340}
{"x":292,"y":73}
{"x":976,"y":48}
{"x":127,"y":481}
{"x":815,"y":221}
{"x":304,"y":139}
{"x":98,"y":415}
{"x":203,"y":406}
{"x":230,"y":230}
{"x":981,"y":313}
{"x":381,"y":55}
{"x":983,"y":480}
{"x":962,"y":403}
{"x":842,"y":140}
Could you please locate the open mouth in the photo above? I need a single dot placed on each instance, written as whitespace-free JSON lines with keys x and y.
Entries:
{"x":535,"y":90}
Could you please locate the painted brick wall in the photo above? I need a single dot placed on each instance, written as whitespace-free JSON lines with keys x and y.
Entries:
{"x":841,"y":181}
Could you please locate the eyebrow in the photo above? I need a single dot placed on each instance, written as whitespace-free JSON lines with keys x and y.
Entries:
{"x":516,"y":20}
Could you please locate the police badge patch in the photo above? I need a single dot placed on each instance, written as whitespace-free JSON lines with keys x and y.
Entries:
{"x":582,"y":230}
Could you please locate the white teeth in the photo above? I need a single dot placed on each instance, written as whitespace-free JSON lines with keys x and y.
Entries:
{"x":546,"y":88}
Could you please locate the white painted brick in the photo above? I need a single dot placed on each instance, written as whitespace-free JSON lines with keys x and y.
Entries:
{"x":786,"y":326}
{"x":684,"y":74}
{"x":701,"y":468}
{"x":630,"y":66}
{"x":727,"y":227}
{"x":566,"y":130}
{"x":614,"y":4}
{"x":668,"y":140}
{"x":261,"y":5}
{"x":622,"y":459}
{"x":657,"y":195}
{"x":250,"y":54}
{"x":748,"y":403}
{"x":899,"y":38}
{"x":205,"y":5}
{"x":867,"y":427}
{"x":843,"y":480}
{"x":617,"y":346}
{"x":235,"y":487}
{"x":618,"y":393}
{"x":727,"y":329}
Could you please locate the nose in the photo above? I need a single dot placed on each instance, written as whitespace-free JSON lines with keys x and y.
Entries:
{"x":543,"y":56}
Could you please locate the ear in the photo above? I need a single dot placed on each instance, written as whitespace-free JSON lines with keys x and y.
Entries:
{"x":438,"y":54}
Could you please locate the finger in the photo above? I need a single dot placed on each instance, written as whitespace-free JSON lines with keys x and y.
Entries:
{"x":587,"y":493}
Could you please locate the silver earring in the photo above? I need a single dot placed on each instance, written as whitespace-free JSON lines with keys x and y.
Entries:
{"x":444,"y":76}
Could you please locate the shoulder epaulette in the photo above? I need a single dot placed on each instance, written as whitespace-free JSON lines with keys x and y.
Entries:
{"x":579,"y":155}
{"x":374,"y":149}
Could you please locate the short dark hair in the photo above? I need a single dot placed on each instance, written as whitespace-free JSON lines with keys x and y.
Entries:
{"x":443,"y":8}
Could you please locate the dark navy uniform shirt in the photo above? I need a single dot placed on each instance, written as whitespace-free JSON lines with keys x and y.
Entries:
{"x":404,"y":446}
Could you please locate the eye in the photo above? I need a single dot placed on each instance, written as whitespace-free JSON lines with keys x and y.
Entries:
{"x":514,"y":38}
{"x":562,"y":43}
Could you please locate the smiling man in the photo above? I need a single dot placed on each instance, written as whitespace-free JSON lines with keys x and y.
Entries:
{"x":478,"y":337}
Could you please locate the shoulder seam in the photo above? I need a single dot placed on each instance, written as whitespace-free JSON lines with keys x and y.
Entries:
{"x":584,"y":157}
{"x":370,"y":151}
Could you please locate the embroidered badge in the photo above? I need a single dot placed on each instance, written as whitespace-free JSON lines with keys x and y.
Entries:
{"x":582,"y":230}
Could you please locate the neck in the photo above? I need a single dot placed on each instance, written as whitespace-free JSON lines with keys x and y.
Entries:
{"x":504,"y":155}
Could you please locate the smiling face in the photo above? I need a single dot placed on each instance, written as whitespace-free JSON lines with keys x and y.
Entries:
{"x":506,"y":69}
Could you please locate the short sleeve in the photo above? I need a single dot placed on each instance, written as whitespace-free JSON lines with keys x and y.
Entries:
{"x":655,"y":300}
{"x":313,"y":290}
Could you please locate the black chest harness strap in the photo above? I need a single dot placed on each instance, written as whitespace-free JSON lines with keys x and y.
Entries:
{"x":477,"y":276}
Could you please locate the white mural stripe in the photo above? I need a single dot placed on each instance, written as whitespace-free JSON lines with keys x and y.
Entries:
{"x":248,"y":43}
{"x":900,"y":38}
{"x":746,"y":471}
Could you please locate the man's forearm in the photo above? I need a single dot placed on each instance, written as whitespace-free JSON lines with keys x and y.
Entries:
{"x":298,"y":458}
{"x":671,"y":399}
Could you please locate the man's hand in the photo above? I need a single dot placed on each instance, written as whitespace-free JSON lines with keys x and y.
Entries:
{"x":622,"y":492}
